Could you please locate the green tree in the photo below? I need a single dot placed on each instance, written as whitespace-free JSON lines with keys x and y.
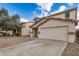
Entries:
{"x":4,"y":18}
{"x":5,"y":24}
{"x":9,"y":22}
{"x":17,"y":25}
{"x":3,"y":12}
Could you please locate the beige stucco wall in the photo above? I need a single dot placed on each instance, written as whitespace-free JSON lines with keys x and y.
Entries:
{"x":72,"y":15}
{"x":26,"y":30}
{"x":54,"y":23}
{"x":60,"y":16}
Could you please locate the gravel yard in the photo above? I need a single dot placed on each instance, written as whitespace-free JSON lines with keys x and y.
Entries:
{"x":71,"y":50}
{"x":8,"y":41}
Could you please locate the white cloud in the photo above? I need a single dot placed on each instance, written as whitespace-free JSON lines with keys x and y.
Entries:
{"x":62,"y":8}
{"x":70,"y":4}
{"x":45,"y":8}
{"x":24,"y":20}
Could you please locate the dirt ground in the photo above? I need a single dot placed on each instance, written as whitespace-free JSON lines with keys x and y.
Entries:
{"x":8,"y":41}
{"x":71,"y":50}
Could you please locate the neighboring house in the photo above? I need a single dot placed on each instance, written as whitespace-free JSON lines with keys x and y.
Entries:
{"x":59,"y":26}
{"x":26,"y":31}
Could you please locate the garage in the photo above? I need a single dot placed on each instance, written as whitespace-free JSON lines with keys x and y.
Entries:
{"x":54,"y":33}
{"x":55,"y":29}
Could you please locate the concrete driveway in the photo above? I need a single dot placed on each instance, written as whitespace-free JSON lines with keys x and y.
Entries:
{"x":38,"y":47}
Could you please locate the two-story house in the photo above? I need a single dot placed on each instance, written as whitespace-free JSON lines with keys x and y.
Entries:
{"x":59,"y":26}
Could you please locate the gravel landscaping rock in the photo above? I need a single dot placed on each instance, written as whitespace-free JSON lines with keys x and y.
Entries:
{"x":71,"y":50}
{"x":9,"y":41}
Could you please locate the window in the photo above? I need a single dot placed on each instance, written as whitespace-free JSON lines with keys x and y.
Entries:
{"x":67,"y":15}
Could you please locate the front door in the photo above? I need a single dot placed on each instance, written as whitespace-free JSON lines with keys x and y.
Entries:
{"x":35,"y":32}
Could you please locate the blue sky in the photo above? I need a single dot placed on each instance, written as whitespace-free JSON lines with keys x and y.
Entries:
{"x":28,"y":11}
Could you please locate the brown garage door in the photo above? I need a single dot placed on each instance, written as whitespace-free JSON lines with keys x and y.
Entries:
{"x":55,"y":33}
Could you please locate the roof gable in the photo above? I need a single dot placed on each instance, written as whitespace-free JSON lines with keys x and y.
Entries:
{"x":59,"y":19}
{"x":47,"y":19}
{"x":63,"y":12}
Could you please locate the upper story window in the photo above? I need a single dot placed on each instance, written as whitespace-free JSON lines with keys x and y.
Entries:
{"x":67,"y":15}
